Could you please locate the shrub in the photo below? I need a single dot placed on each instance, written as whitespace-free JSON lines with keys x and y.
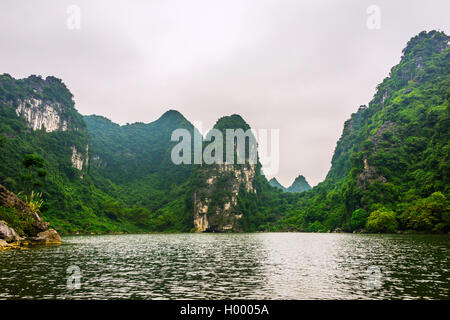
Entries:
{"x":382,"y":221}
{"x":429,"y":214}
{"x":359,"y":219}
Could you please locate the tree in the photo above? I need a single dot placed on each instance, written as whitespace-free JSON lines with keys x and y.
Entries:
{"x":35,"y":164}
{"x":429,"y":214}
{"x":316,"y":226}
{"x":359,"y":219}
{"x":382,"y":221}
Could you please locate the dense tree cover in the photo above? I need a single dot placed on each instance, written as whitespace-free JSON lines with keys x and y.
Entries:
{"x":33,"y":179}
{"x":133,"y":164}
{"x":390,"y":169}
{"x":299,"y":185}
{"x":41,"y":161}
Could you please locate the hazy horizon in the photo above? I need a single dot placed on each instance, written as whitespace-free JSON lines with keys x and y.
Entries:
{"x":301,"y":67}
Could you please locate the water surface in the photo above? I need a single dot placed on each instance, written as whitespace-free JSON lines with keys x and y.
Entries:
{"x":232,"y":266}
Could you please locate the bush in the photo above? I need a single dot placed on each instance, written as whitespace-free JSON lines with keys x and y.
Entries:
{"x":382,"y":221}
{"x":359,"y":219}
{"x":316,"y":226}
{"x":429,"y":214}
{"x":21,"y":222}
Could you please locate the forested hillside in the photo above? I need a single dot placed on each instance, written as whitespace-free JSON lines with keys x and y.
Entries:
{"x":389,"y":172}
{"x":44,"y":144}
{"x":110,"y":179}
{"x":133,"y":163}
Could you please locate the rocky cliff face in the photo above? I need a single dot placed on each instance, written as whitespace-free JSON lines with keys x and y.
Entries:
{"x":46,"y":104}
{"x":215,"y":204}
{"x":49,"y":116}
{"x":79,"y":159}
{"x":219,"y":186}
{"x":40,"y":114}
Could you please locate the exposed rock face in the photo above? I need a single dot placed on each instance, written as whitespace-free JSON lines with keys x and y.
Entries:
{"x":48,"y":237}
{"x":42,"y":114}
{"x":368,"y":176}
{"x":50,"y":113}
{"x":8,"y":234}
{"x":219,"y":187}
{"x":215,"y":203}
{"x":200,"y":219}
{"x":4,"y":244}
{"x":78,"y":159}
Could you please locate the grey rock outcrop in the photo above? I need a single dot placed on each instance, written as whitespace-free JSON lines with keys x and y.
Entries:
{"x":222,"y":216}
{"x":37,"y":231}
{"x":40,"y":114}
{"x":49,"y":236}
{"x":8,"y":234}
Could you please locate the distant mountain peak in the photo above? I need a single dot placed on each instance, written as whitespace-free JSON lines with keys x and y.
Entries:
{"x":299,"y":185}
{"x":172,"y":114}
{"x":426,"y":43}
{"x":234,"y":121}
{"x":300,"y":178}
{"x":274,"y":183}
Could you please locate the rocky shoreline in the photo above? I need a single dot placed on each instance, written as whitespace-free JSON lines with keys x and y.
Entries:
{"x":37,"y":231}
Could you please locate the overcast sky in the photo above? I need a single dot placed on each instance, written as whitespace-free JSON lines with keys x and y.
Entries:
{"x":299,"y":66}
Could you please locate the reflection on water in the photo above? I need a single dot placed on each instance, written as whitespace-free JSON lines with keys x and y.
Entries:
{"x":231,"y":266}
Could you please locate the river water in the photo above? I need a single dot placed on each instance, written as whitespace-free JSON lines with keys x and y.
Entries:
{"x":231,"y":266}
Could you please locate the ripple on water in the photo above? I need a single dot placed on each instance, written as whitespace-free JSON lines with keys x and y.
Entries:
{"x":232,"y":266}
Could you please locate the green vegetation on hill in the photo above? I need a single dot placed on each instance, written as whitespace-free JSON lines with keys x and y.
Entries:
{"x":390,"y":169}
{"x":133,"y":164}
{"x":84,"y":200}
{"x":392,"y":160}
{"x":66,"y":195}
{"x":299,"y":185}
{"x":274,"y":183}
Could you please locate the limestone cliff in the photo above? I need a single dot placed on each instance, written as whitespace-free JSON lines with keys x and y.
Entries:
{"x":41,"y":114}
{"x":215,"y":203}
{"x":47,"y":104}
{"x":218,"y":187}
{"x":79,"y":160}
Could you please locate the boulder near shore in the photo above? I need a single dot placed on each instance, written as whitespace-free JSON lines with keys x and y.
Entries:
{"x":20,"y":226}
